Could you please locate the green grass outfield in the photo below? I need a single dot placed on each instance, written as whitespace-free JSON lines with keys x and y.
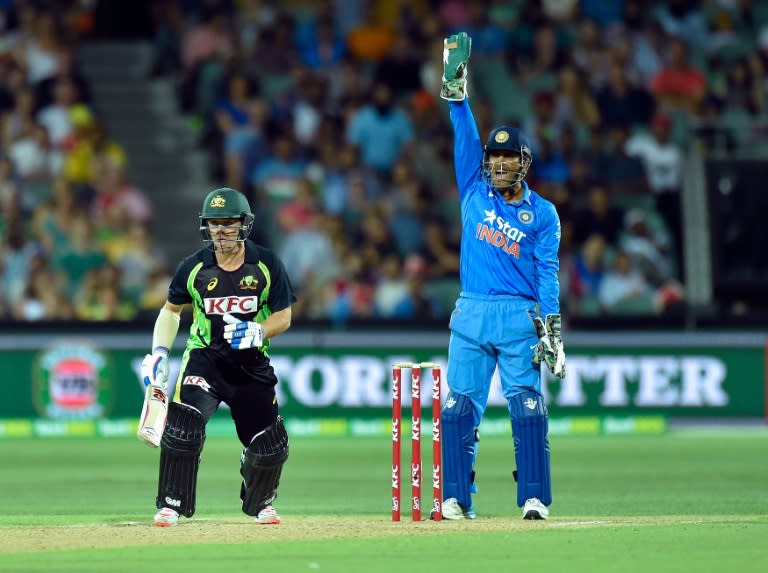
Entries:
{"x":684,"y":501}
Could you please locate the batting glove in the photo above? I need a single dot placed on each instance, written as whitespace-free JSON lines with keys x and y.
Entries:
{"x":242,"y":335}
{"x":550,"y":345}
{"x":154,"y":368}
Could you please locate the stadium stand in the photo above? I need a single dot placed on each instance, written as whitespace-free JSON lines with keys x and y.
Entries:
{"x":283,"y":98}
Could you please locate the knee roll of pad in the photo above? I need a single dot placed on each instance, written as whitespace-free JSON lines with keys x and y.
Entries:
{"x":180,"y":449}
{"x":529,"y":427}
{"x":262,"y":464}
{"x":459,"y":437}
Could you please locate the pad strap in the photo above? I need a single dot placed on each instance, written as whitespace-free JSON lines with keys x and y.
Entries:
{"x":262,"y":464}
{"x":459,"y":442}
{"x":529,"y":427}
{"x":180,"y":449}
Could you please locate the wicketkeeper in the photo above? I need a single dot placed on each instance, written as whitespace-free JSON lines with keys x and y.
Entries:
{"x":509,"y":281}
{"x":241,"y":297}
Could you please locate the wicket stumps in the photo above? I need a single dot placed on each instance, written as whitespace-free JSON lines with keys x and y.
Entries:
{"x":437,"y":464}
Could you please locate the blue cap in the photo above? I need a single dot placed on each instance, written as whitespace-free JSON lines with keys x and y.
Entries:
{"x":509,"y":139}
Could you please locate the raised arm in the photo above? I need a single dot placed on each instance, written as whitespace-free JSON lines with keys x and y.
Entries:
{"x":467,"y":148}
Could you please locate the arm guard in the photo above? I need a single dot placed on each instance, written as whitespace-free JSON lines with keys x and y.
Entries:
{"x":166,"y":329}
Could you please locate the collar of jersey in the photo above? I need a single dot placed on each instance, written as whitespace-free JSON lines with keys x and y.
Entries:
{"x":526,"y":195}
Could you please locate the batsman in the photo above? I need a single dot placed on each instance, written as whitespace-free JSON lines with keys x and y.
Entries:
{"x":507,"y":315}
{"x":241,"y":298}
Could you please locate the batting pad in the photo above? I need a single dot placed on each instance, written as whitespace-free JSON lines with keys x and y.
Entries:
{"x":261,"y":466}
{"x":180,"y":449}
{"x":458,"y":448}
{"x":529,"y":427}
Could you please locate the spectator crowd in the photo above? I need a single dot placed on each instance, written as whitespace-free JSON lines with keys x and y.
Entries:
{"x":326,"y":115}
{"x":75,"y":233}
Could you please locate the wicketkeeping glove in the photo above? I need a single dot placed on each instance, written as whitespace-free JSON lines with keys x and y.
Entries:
{"x":242,"y":334}
{"x":456,"y":50}
{"x":550,"y":346}
{"x":154,"y":369}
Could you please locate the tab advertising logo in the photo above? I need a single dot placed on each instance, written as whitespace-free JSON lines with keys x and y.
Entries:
{"x":72,"y":382}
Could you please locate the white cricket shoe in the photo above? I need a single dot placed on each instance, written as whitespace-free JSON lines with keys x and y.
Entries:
{"x":534,"y":509}
{"x":167,"y":517}
{"x":268,"y":516}
{"x":453,"y":511}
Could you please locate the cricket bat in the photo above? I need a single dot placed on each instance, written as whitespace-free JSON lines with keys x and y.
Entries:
{"x":153,"y":416}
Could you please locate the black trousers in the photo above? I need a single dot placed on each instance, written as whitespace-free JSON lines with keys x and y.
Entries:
{"x":249,"y":392}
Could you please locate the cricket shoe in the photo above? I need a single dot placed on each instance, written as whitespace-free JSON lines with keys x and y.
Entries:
{"x":453,"y":511}
{"x":167,"y":517}
{"x":534,"y":509}
{"x":268,"y":516}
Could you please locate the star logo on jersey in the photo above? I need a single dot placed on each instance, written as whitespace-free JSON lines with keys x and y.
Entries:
{"x":212,"y":283}
{"x":500,"y":233}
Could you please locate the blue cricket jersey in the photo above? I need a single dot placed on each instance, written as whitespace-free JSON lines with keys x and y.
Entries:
{"x":506,"y":248}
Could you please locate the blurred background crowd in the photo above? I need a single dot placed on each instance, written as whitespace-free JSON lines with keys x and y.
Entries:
{"x":325,"y":114}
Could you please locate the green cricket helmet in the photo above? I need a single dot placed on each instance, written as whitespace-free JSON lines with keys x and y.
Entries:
{"x":225,"y":203}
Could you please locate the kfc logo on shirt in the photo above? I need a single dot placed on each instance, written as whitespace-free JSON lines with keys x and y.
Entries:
{"x":239,"y":304}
